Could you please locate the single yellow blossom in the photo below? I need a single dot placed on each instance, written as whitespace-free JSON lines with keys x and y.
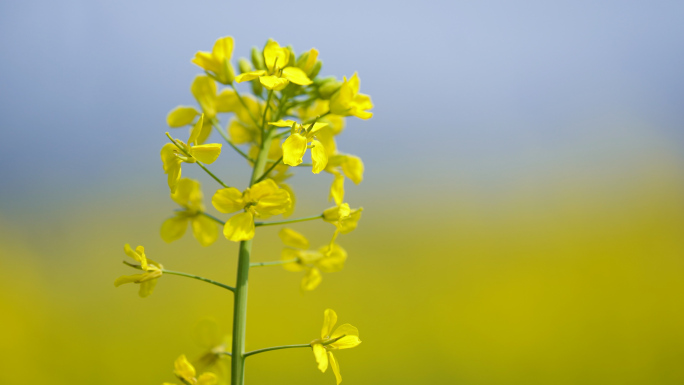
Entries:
{"x":214,"y":346}
{"x":344,"y":337}
{"x":147,"y":280}
{"x":294,"y":147}
{"x":348,"y":101}
{"x":185,"y":372}
{"x":172,"y":156}
{"x":211,"y":102}
{"x":189,"y":196}
{"x":217,"y":62}
{"x":310,"y":261}
{"x":344,"y":219}
{"x":262,"y":200}
{"x":278,"y":73}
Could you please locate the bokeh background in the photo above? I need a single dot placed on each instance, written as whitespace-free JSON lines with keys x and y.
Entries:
{"x":524,"y":211}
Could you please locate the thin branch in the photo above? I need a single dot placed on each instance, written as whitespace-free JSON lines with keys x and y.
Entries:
{"x":230,"y":142}
{"x":272,"y":263}
{"x":265,"y":174}
{"x":257,"y":224}
{"x":276,"y":348}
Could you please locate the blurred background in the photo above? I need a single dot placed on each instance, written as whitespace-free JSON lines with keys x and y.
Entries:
{"x":523,"y":223}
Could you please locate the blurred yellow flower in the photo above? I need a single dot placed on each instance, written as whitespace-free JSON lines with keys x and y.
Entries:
{"x":312,"y":262}
{"x":341,"y":165}
{"x":344,"y":337}
{"x":172,"y":156}
{"x":348,"y":101}
{"x":217,"y":62}
{"x":204,"y":90}
{"x":279,"y":72}
{"x":147,"y":280}
{"x":185,"y":372}
{"x":296,"y":144}
{"x":262,"y":200}
{"x":188,"y":195}
{"x":215,"y":345}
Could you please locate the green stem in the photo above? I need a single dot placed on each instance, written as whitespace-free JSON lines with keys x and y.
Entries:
{"x":272,"y":263}
{"x":230,"y":143}
{"x":197,"y":161}
{"x":219,"y":284}
{"x":241,"y":286}
{"x":266,"y":107}
{"x":262,"y":177}
{"x":213,"y":218}
{"x":276,"y":348}
{"x":288,"y":221}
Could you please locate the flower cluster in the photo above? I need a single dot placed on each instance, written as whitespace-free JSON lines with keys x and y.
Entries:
{"x":292,"y":114}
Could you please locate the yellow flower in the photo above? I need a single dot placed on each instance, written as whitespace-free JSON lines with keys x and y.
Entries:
{"x":344,"y":219}
{"x":172,"y":156}
{"x":217,"y":62}
{"x":344,"y":337}
{"x":188,"y":195}
{"x":214,"y":345}
{"x":312,"y":262}
{"x":341,"y":165}
{"x":147,"y":280}
{"x":348,"y":101}
{"x":205,"y":91}
{"x":321,"y":109}
{"x":185,"y":372}
{"x":279,"y":73}
{"x":280,"y":173}
{"x":242,"y":127}
{"x":262,"y":200}
{"x":294,"y":147}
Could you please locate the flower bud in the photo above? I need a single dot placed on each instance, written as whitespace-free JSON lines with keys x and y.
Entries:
{"x":258,"y":59}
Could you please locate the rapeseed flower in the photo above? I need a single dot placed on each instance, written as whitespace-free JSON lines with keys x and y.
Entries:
{"x":147,"y":280}
{"x":294,"y":147}
{"x":341,"y":165}
{"x":217,"y":62}
{"x":344,"y":337}
{"x":189,"y":196}
{"x":348,"y":101}
{"x":185,"y":372}
{"x":344,"y":219}
{"x":262,"y":200}
{"x":310,"y":261}
{"x":211,"y":102}
{"x":279,"y":73}
{"x":214,"y":346}
{"x":174,"y":154}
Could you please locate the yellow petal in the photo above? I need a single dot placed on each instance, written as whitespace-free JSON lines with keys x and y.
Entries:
{"x":204,"y":90}
{"x":293,"y":239}
{"x":241,"y":133}
{"x":275,"y":56}
{"x":147,"y":287}
{"x":171,"y":165}
{"x":353,"y":168}
{"x":296,"y":76}
{"x":311,"y":280}
{"x":132,"y":253}
{"x":335,"y":367}
{"x":247,"y":76}
{"x":206,"y":333}
{"x":355,"y":83}
{"x":349,"y":223}
{"x":207,"y":379}
{"x":326,"y":136}
{"x":204,"y":229}
{"x":274,"y":204}
{"x":173,"y":228}
{"x":333,"y":260}
{"x":239,"y":227}
{"x":181,"y":116}
{"x":321,"y":357}
{"x":196,"y":130}
{"x":293,"y":199}
{"x":340,"y":101}
{"x":206,"y":153}
{"x":184,"y":369}
{"x":188,"y":193}
{"x":127,"y":279}
{"x":273,"y":82}
{"x":223,"y":48}
{"x":263,"y":189}
{"x":329,"y":321}
{"x":227,"y":101}
{"x":318,"y":156}
{"x":350,"y":339}
{"x":337,"y":189}
{"x":228,"y":200}
{"x":311,"y":59}
{"x":206,"y":61}
{"x":283,"y":123}
{"x":294,"y":148}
